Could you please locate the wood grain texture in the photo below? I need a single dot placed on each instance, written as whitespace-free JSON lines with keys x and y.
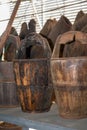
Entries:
{"x":8,"y":88}
{"x":34,"y":84}
{"x":70,"y":83}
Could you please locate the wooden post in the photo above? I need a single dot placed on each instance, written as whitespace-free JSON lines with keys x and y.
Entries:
{"x":8,"y":28}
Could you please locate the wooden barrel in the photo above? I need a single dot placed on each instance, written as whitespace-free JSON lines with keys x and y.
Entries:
{"x":34,"y":86}
{"x":69,"y":74}
{"x":8,"y":93}
{"x":9,"y":126}
{"x":70,"y":84}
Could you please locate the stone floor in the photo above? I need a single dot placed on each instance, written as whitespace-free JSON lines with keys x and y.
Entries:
{"x":41,"y":121}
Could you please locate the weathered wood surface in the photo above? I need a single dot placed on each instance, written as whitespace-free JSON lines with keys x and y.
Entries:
{"x":8,"y":88}
{"x":84,"y":29}
{"x":70,"y":84}
{"x":69,"y":72}
{"x":34,"y":46}
{"x":23,"y":31}
{"x":9,"y":126}
{"x":11,"y":46}
{"x":48,"y":26}
{"x":50,"y":23}
{"x":63,"y":25}
{"x":34,"y":84}
{"x":70,"y":36}
{"x":79,"y":24}
{"x":32,"y":26}
{"x":79,"y":15}
{"x":71,"y":44}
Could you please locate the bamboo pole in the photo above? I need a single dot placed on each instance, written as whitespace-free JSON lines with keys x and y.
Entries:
{"x":8,"y":28}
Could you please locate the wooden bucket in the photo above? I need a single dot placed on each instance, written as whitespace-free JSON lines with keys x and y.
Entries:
{"x":69,"y":75}
{"x":48,"y":26}
{"x":34,"y":46}
{"x":50,"y":23}
{"x":9,"y":126}
{"x":80,"y":24}
{"x":79,"y":15}
{"x":34,"y":86}
{"x":10,"y":49}
{"x":8,"y":93}
{"x":70,"y":84}
{"x":63,"y":25}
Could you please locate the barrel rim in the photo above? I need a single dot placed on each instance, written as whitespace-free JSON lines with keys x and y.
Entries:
{"x":30,"y":60}
{"x":70,"y":58}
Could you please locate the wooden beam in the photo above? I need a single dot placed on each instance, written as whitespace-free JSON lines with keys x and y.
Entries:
{"x":9,"y":25}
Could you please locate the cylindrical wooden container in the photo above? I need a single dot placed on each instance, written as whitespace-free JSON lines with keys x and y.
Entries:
{"x":70,"y":83}
{"x":34,"y":85}
{"x":8,"y":93}
{"x":69,"y":74}
{"x":9,"y":126}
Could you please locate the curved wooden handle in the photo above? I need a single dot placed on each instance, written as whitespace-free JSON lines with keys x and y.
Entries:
{"x":8,"y":28}
{"x":71,"y":36}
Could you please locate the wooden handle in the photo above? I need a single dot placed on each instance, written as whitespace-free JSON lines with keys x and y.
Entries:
{"x":8,"y":28}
